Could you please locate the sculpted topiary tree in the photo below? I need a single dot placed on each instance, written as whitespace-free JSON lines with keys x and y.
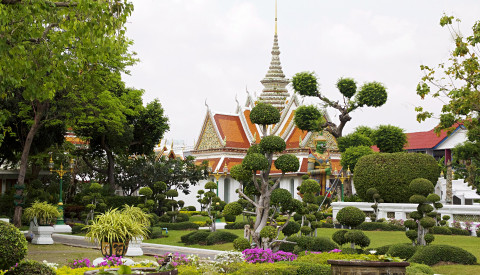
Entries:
{"x":310,"y":214}
{"x":375,"y":196}
{"x":424,"y":217}
{"x":211,"y":202}
{"x":372,"y":94}
{"x":259,"y":159}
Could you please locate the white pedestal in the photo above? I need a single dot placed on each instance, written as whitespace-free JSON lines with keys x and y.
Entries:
{"x":42,"y":235}
{"x":62,"y":228}
{"x":135,"y":247}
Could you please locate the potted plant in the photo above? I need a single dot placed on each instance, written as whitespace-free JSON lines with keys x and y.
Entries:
{"x":134,"y":246}
{"x":43,"y":216}
{"x":114,"y":229}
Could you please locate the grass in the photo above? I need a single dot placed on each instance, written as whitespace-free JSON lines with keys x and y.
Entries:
{"x":61,"y":254}
{"x":456,"y":269}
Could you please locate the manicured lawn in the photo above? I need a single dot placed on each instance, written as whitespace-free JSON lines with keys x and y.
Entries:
{"x":457,"y":269}
{"x":61,"y":254}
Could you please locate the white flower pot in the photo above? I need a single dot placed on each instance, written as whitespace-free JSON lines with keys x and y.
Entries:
{"x":42,"y":235}
{"x":135,"y":247}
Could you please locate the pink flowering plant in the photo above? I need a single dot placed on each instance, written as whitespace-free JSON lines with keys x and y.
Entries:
{"x":79,"y":263}
{"x":258,"y":255}
{"x":111,"y":261}
{"x":176,"y":260}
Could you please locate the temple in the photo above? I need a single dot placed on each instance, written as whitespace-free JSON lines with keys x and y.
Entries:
{"x":225,"y":138}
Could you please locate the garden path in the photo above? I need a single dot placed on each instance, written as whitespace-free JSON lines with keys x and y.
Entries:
{"x":148,"y":248}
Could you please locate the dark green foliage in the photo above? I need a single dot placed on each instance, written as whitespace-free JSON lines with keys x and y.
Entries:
{"x":280,"y":195}
{"x":459,"y":231}
{"x":181,"y":217}
{"x":440,"y":230}
{"x":268,"y":232}
{"x":353,"y":140}
{"x":426,"y":208}
{"x":255,"y":162}
{"x":415,"y":215}
{"x":411,"y":224}
{"x":305,"y":83}
{"x":297,"y":217}
{"x":267,"y":268}
{"x":172,"y":193}
{"x":287,"y":163}
{"x":13,"y":245}
{"x":78,"y":228}
{"x":241,"y":244}
{"x":429,"y":238}
{"x":240,"y":174}
{"x":211,"y":185}
{"x":237,"y":225}
{"x":291,"y":228}
{"x":229,"y":218}
{"x":417,"y":199}
{"x":351,"y":156}
{"x":305,"y":243}
{"x":393,"y":174}
{"x":233,"y":208}
{"x":427,"y":222}
{"x":389,"y":139}
{"x":156,"y":232}
{"x":255,"y":148}
{"x":264,"y":114}
{"x":382,"y":250}
{"x":272,"y":144}
{"x":308,"y":118}
{"x":309,"y":186}
{"x":402,"y":250}
{"x":372,"y":94}
{"x":419,"y":269}
{"x":380,"y":226}
{"x":433,"y":198}
{"x":421,"y":186}
{"x":304,"y":268}
{"x":350,"y":216}
{"x":306,"y":230}
{"x":434,"y":254}
{"x":339,"y":237}
{"x":197,"y":237}
{"x":178,"y":226}
{"x":218,"y":237}
{"x":357,"y":237}
{"x":412,"y":235}
{"x":30,"y":267}
{"x":347,"y":87}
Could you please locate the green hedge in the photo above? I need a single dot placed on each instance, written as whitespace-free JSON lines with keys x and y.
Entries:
{"x":178,"y":226}
{"x":393,"y":174}
{"x":218,"y":237}
{"x":433,"y":254}
{"x":441,"y":230}
{"x":267,"y":268}
{"x":13,"y":245}
{"x":382,"y":226}
{"x":459,"y":231}
{"x":419,"y":269}
{"x":306,"y":243}
{"x":304,"y":268}
{"x":382,"y":250}
{"x":236,"y":225}
{"x":402,"y":250}
{"x":30,"y":267}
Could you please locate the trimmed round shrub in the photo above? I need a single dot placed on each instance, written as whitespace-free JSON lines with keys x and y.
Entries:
{"x":211,"y":185}
{"x":241,"y":244}
{"x":427,"y":222}
{"x":297,"y":217}
{"x":172,"y":193}
{"x":393,"y":174}
{"x":411,"y":224}
{"x":425,"y":208}
{"x":291,"y":228}
{"x":178,"y":225}
{"x":309,"y":186}
{"x":306,"y":230}
{"x":357,"y":237}
{"x":433,"y":198}
{"x":380,"y":226}
{"x":308,"y":118}
{"x":199,"y":237}
{"x":233,"y":208}
{"x":272,"y":144}
{"x":191,"y":208}
{"x":155,"y":233}
{"x":372,"y":94}
{"x":347,"y":87}
{"x":429,"y":238}
{"x":350,"y":216}
{"x":268,"y":232}
{"x":339,"y":237}
{"x":220,"y":237}
{"x":30,"y":267}
{"x":412,"y":235}
{"x":440,"y":230}
{"x":459,"y":231}
{"x":421,"y":186}
{"x":305,"y":83}
{"x":416,"y":215}
{"x":13,"y":245}
{"x":264,"y":114}
{"x":240,"y":174}
{"x":420,"y":269}
{"x":434,"y":254}
{"x":237,"y":225}
{"x":255,"y":162}
{"x":280,"y":195}
{"x":402,"y":250}
{"x":182,"y":217}
{"x":417,"y":199}
{"x":287,"y":163}
{"x":289,"y":247}
{"x":229,"y":218}
{"x":382,"y":250}
{"x":321,"y":244}
{"x":308,"y":243}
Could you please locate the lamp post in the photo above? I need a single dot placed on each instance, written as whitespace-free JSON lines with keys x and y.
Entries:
{"x":344,"y":175}
{"x":60,"y":173}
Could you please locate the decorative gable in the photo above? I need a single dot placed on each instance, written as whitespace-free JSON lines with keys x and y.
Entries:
{"x":209,"y":138}
{"x":331,"y":141}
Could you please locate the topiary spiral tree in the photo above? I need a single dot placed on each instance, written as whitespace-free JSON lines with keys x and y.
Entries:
{"x":211,"y":202}
{"x":260,"y":158}
{"x":375,"y":196}
{"x":422,"y":189}
{"x":308,"y":190}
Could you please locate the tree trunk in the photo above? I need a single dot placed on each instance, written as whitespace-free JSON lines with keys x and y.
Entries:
{"x":111,"y":169}
{"x":17,"y":217}
{"x":449,"y":193}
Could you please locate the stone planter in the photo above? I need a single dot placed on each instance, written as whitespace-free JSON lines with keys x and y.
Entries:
{"x":42,"y":234}
{"x":5,"y":220}
{"x":147,"y":270}
{"x":367,"y":267}
{"x":135,"y":247}
{"x":62,"y":228}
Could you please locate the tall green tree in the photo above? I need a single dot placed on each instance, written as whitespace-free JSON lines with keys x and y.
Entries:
{"x":389,"y":138}
{"x":371,"y":94}
{"x":457,"y":83}
{"x":45,"y":46}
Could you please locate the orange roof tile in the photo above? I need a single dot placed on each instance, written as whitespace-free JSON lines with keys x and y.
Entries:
{"x":232,"y":127}
{"x":211,"y":162}
{"x":230,"y":163}
{"x":304,"y":165}
{"x":293,"y":140}
{"x":251,"y":126}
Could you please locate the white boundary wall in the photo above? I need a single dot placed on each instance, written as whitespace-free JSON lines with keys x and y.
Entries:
{"x":399,"y":211}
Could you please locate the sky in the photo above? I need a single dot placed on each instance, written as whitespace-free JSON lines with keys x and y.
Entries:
{"x":197,"y":51}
